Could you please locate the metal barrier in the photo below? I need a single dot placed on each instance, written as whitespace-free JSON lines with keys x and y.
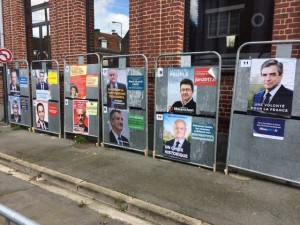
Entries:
{"x":12,"y":216}
{"x":125,"y":102}
{"x":18,"y":91}
{"x":82,"y":94}
{"x":264,"y":132}
{"x":187,"y":98}
{"x":45,"y":86}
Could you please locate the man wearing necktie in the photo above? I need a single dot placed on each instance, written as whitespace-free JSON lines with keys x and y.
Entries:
{"x":275,"y":98}
{"x":116,"y":91}
{"x":178,"y":147}
{"x":41,"y":123}
{"x":42,"y":85}
{"x":14,"y":87}
{"x":115,"y":135}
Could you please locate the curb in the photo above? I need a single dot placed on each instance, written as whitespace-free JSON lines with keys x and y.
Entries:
{"x":115,"y":199}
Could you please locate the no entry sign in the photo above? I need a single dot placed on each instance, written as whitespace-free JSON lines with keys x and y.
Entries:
{"x":5,"y":55}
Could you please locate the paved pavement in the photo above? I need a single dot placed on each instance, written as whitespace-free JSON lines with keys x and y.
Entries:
{"x":47,"y":208}
{"x":154,"y":188}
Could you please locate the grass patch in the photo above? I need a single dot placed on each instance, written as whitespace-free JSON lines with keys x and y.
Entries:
{"x":121,"y":204}
{"x":104,"y":215}
{"x":80,"y":139}
{"x":16,"y":127}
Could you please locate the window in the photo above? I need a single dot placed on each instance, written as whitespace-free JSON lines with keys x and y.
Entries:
{"x":224,"y":25}
{"x":40,"y":29}
{"x":103,"y":42}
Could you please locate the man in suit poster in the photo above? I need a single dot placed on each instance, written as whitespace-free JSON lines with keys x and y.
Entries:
{"x":15,"y":116}
{"x":14,"y":84}
{"x":119,"y":132}
{"x":176,"y":136}
{"x":80,"y":117}
{"x":271,"y":86}
{"x":116,"y":90}
{"x":42,"y":115}
{"x":182,"y":91}
{"x":42,"y":84}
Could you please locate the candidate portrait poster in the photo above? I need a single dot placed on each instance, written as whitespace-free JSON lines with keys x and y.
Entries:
{"x":119,"y":132}
{"x":270,"y":91}
{"x":116,"y":88}
{"x":41,"y":84}
{"x":14,"y":81}
{"x":15,"y":109}
{"x":41,"y":114}
{"x":80,"y":117}
{"x":181,"y":99}
{"x":78,"y":76}
{"x":177,"y":136}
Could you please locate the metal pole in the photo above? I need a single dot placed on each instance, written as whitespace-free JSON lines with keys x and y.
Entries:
{"x":13,"y":216}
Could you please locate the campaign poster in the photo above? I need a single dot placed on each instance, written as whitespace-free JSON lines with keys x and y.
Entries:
{"x":181,"y":91}
{"x":116,"y":88}
{"x":41,"y":114}
{"x":41,"y":83}
{"x":177,"y":136}
{"x":52,"y":77}
{"x":14,"y":82}
{"x":136,"y":82}
{"x":205,"y":76}
{"x":119,"y":132}
{"x":272,"y":86}
{"x":53,"y":109}
{"x":23,"y":82}
{"x":268,"y":128}
{"x":203,"y":131}
{"x":78,"y":76}
{"x":92,"y":80}
{"x":136,"y":122}
{"x":80,"y":117}
{"x":15,"y":107}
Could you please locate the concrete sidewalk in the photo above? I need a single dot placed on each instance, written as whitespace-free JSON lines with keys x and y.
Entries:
{"x":153,"y":186}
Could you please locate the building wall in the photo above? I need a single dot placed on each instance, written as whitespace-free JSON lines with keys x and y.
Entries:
{"x":156,"y":27}
{"x":67,"y":28}
{"x":286,"y":24}
{"x":14,"y":28}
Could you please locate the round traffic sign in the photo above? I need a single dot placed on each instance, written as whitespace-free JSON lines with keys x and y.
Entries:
{"x":5,"y":55}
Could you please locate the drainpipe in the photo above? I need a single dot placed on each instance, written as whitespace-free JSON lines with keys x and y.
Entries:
{"x":5,"y":98}
{"x":1,"y":26}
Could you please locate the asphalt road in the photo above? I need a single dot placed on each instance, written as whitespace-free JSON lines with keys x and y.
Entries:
{"x":45,"y":207}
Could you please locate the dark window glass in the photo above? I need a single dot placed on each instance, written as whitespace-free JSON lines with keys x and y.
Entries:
{"x":40,"y":29}
{"x":224,"y":25}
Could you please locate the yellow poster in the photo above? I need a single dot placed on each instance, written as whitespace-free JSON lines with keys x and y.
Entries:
{"x":52,"y":77}
{"x":91,"y":108}
{"x":78,"y":70}
{"x":92,"y":80}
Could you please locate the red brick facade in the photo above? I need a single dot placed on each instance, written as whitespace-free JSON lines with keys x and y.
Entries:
{"x":14,"y":28}
{"x":156,"y":27}
{"x":68,"y":28}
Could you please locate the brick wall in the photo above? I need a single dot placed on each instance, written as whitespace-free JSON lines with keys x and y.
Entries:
{"x":156,"y":27}
{"x":226,"y":90}
{"x":287,"y":22}
{"x":14,"y":28}
{"x":14,"y":33}
{"x":67,"y":28}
